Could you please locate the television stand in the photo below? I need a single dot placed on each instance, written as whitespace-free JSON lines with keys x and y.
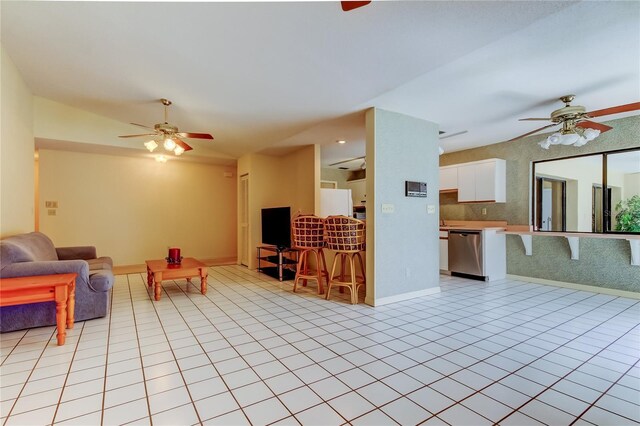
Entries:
{"x":279,"y":263}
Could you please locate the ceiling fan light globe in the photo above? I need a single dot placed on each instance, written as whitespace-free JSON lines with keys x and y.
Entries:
{"x":161,"y":159}
{"x":545,"y":144}
{"x":554,"y":139}
{"x":178,"y":150}
{"x":569,"y":138}
{"x":581,"y":141}
{"x":169,"y":144}
{"x":590,"y":134}
{"x":151,"y":145}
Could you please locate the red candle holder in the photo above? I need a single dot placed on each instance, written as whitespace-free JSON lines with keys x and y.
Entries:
{"x":174,"y":256}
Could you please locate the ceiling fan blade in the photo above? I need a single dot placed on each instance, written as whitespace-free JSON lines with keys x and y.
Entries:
{"x":586,"y":124}
{"x":615,"y":110}
{"x":182,"y":144}
{"x":454,"y":134}
{"x":533,"y":131}
{"x":350,"y":5}
{"x":142,"y":125}
{"x":534,"y":119}
{"x":195,"y":135}
{"x":137,"y":136}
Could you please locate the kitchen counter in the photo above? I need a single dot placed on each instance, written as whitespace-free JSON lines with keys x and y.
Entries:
{"x":471,"y":228}
{"x":474,"y":225}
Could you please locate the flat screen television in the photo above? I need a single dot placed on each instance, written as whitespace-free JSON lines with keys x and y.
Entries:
{"x":276,"y":227}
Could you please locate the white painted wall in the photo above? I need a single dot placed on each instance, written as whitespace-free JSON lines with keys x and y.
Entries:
{"x":402,"y":247}
{"x":631,"y":185}
{"x":133,"y":208}
{"x":16,"y":151}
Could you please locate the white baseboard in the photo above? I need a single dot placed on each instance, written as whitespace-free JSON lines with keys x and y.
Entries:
{"x":401,"y":297}
{"x":574,"y":286}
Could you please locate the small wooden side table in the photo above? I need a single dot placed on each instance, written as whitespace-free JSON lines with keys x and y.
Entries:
{"x":158,"y":270}
{"x":59,"y":288}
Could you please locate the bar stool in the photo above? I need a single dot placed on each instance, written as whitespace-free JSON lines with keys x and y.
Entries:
{"x":346,"y":236}
{"x":308,"y":237}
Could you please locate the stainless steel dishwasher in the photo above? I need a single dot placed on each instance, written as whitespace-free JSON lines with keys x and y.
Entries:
{"x":465,"y":252}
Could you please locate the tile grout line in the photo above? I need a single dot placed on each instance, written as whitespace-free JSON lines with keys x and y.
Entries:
{"x":75,"y":350}
{"x":172,"y":352}
{"x":106,"y":363}
{"x":135,"y":326}
{"x":603,"y":394}
{"x":27,"y":379}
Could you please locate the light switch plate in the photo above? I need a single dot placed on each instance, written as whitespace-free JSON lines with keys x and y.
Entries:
{"x":388,"y":208}
{"x":431,"y":209}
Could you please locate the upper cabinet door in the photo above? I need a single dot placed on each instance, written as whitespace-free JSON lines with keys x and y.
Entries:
{"x":486,"y":181}
{"x":466,"y":183}
{"x":448,"y":178}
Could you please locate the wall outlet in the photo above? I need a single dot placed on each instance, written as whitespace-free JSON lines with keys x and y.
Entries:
{"x":431,"y":209}
{"x":51,"y":204}
{"x":51,"y":212}
{"x":388,"y":208}
{"x":484,"y":211}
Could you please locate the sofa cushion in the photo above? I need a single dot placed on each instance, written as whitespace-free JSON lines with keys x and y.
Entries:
{"x":101,"y":280}
{"x":100,"y":263}
{"x":11,"y":252}
{"x":34,"y":246}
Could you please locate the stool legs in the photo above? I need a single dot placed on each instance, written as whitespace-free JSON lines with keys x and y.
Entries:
{"x":353,"y":284}
{"x":303,"y":273}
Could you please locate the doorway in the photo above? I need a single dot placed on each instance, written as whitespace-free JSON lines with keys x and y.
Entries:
{"x":598,"y":208}
{"x":551,"y":206}
{"x":244,"y":219}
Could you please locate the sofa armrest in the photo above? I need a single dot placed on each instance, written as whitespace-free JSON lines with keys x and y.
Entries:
{"x":26,"y":269}
{"x":72,"y":253}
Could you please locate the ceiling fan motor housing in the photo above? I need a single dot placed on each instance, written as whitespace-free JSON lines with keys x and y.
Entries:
{"x":166,"y":128}
{"x":568,"y":113}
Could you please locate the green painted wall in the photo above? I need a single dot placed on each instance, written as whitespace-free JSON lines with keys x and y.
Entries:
{"x":602,"y":263}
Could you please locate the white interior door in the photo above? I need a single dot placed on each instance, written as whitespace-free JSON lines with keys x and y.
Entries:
{"x":244,"y":220}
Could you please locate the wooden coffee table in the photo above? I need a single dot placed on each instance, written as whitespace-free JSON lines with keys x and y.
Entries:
{"x":158,"y":270}
{"x":59,"y":288}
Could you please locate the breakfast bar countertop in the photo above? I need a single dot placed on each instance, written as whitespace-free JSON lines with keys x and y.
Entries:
{"x":473,"y":225}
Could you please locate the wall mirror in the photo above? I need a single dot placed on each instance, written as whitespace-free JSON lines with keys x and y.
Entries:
{"x":589,"y":193}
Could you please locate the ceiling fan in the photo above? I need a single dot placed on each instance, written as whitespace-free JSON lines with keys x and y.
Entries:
{"x":577,"y":128}
{"x":167,"y":134}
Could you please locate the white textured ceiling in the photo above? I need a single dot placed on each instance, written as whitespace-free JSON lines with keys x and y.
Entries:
{"x":276,"y":75}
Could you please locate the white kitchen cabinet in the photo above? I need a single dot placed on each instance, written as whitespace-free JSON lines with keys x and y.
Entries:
{"x":448,"y":178}
{"x":358,"y":191}
{"x":466,"y":183}
{"x":482,"y":181}
{"x":444,"y":251}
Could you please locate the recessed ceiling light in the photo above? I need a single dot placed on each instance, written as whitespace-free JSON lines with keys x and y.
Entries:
{"x":341,"y":142}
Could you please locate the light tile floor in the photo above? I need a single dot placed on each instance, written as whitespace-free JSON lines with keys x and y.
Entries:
{"x":252,"y":352}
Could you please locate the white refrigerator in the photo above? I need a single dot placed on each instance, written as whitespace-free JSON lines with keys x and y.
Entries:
{"x":335,"y":202}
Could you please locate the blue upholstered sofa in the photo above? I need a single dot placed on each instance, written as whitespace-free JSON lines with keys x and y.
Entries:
{"x":34,"y":254}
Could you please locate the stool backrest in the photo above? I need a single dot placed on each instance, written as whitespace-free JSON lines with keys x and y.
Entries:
{"x":308,"y":232}
{"x":344,"y":233}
